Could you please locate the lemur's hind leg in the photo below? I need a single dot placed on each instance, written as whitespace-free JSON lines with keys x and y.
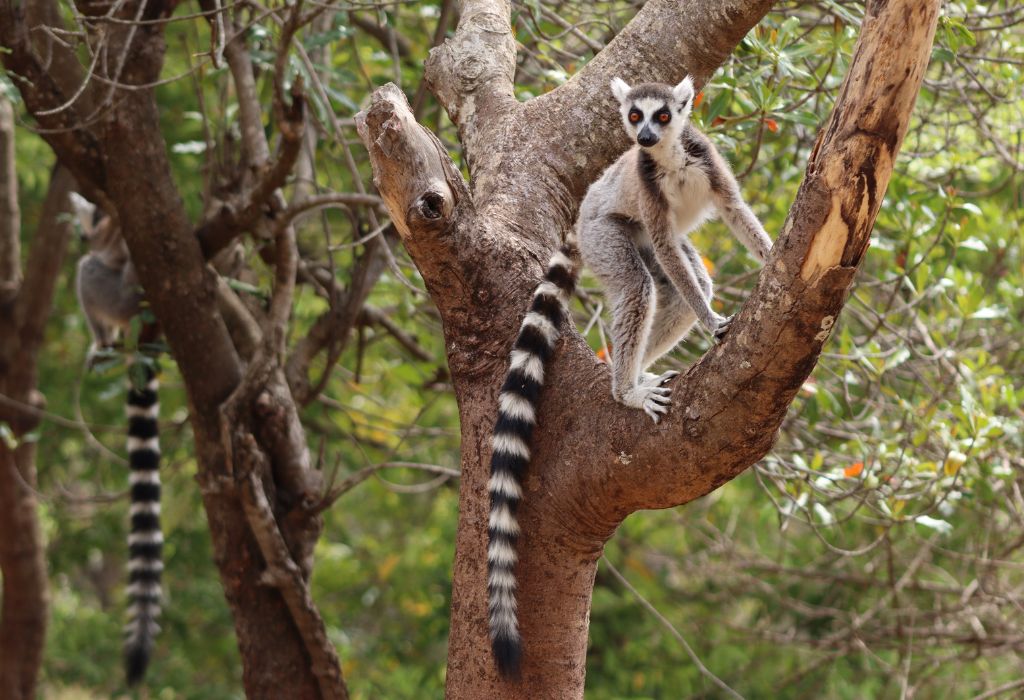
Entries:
{"x":675,"y":318}
{"x":672,"y":323}
{"x":611,"y":254}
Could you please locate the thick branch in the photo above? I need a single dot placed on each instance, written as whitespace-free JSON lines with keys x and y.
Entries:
{"x":45,"y":259}
{"x":25,"y":596}
{"x":285,"y":575}
{"x":591,"y":468}
{"x":42,"y":91}
{"x":665,"y":41}
{"x":472,"y":73}
{"x":728,"y":407}
{"x":418,"y":181}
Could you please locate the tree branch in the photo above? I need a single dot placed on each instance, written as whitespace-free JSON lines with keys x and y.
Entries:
{"x":283,"y":574}
{"x":728,"y":407}
{"x":589,"y":469}
{"x":42,"y":90}
{"x":420,"y":185}
{"x":383,"y":35}
{"x":10,"y":214}
{"x":43,"y":266}
{"x":665,"y":41}
{"x":332,"y":329}
{"x":471,"y":73}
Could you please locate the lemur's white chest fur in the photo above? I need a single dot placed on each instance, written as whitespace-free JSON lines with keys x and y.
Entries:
{"x":687,"y":189}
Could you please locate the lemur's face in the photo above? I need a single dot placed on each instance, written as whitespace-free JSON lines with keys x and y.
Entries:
{"x":654,"y":113}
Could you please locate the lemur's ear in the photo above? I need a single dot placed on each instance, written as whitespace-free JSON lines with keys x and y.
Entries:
{"x":620,"y":88}
{"x":683,"y":92}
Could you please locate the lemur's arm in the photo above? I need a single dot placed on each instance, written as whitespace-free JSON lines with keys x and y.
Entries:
{"x":668,"y":250}
{"x":725,"y":193}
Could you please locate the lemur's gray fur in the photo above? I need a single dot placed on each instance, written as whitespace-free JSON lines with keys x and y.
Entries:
{"x":107,"y":284}
{"x":109,"y":294}
{"x":633,"y":234}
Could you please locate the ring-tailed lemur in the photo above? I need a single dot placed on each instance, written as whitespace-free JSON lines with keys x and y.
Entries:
{"x":632,"y":234}
{"x":108,"y":292}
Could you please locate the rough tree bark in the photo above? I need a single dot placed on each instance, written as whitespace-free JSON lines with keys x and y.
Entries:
{"x":24,"y":308}
{"x":259,"y":490}
{"x":481,"y":251}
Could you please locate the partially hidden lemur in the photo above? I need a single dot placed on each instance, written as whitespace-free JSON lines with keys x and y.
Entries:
{"x":109,"y":294}
{"x":632,"y":234}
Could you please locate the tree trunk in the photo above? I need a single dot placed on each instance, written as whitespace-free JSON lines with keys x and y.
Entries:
{"x":481,"y":253}
{"x":25,"y":609}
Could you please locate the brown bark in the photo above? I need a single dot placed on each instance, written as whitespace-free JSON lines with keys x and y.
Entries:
{"x":481,"y":255}
{"x":10,"y":215}
{"x":25,"y":609}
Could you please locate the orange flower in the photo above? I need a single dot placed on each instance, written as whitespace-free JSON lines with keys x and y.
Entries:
{"x":772,"y":125}
{"x":853,"y":470}
{"x":604,"y":354}
{"x":698,"y":99}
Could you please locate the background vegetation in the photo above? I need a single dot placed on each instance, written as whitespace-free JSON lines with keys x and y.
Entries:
{"x":875,"y":553}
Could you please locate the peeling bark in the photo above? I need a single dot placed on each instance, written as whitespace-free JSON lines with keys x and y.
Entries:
{"x":481,"y":256}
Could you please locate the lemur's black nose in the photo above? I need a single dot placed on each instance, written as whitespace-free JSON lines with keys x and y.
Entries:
{"x":646,"y":138}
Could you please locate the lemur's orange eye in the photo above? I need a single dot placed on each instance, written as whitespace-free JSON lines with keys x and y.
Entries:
{"x":634,"y":117}
{"x":664,"y":117}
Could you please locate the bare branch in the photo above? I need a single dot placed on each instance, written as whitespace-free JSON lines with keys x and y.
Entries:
{"x":472,"y":72}
{"x":664,"y":42}
{"x":377,"y":317}
{"x":42,"y":90}
{"x":732,"y":402}
{"x":332,"y":329}
{"x":414,"y":174}
{"x":43,"y":266}
{"x":384,"y":35}
{"x":286,"y":576}
{"x":10,"y":214}
{"x":246,"y":210}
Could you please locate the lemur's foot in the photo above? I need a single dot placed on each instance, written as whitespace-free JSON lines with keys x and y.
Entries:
{"x":722,"y":328}
{"x":650,"y":379}
{"x":654,"y":400}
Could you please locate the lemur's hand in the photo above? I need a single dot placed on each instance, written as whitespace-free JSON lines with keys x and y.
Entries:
{"x":724,"y":323}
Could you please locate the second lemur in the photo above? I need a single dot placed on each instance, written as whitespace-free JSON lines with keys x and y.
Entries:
{"x":109,"y":294}
{"x":632,"y":233}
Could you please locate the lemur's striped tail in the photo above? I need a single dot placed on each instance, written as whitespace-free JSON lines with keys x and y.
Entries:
{"x":510,"y":454}
{"x":145,"y":542}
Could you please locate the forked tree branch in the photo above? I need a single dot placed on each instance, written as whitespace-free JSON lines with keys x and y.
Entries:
{"x":591,"y":468}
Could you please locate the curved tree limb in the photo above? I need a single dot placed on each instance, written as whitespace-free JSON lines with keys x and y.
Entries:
{"x":731,"y":403}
